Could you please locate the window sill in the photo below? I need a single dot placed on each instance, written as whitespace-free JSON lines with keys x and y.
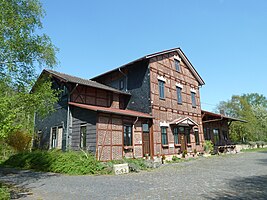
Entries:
{"x":163,"y":99}
{"x":179,"y":103}
{"x":165,"y":146}
{"x":128,"y":147}
{"x":189,"y":144}
{"x":194,"y":107}
{"x":177,"y":145}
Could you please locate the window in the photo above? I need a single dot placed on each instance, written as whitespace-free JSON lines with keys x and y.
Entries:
{"x":175,"y":134}
{"x":225,"y":135}
{"x":193,"y":97}
{"x":83,"y":136}
{"x":164,"y":139}
{"x":216,"y":134}
{"x":121,"y":84}
{"x":145,"y":128}
{"x":54,"y":137}
{"x":177,"y":65}
{"x":196,"y":136}
{"x":161,"y":89}
{"x":188,"y":139}
{"x":127,"y":135}
{"x":179,"y":95}
{"x":207,"y":133}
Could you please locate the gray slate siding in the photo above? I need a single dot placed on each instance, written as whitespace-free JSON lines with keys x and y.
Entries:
{"x":139,"y":87}
{"x":56,"y":118}
{"x":82,"y":116}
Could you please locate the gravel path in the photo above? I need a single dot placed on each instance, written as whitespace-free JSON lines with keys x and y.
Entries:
{"x":241,"y":176}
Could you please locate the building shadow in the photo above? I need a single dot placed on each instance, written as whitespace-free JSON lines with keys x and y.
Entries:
{"x":254,"y":187}
{"x":20,"y":181}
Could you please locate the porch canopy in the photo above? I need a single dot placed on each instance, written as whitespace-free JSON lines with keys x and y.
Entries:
{"x":208,"y":117}
{"x":183,"y":121}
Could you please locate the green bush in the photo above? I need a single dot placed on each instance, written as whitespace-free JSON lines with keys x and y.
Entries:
{"x":260,"y":144}
{"x":208,"y":146}
{"x":4,"y":192}
{"x":73,"y":163}
{"x":175,"y":159}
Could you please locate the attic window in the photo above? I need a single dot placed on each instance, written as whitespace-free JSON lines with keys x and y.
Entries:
{"x":121,"y":84}
{"x":177,"y":61}
{"x":177,"y":65}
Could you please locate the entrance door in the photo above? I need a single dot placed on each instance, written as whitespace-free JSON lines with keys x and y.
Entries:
{"x":146,"y":139}
{"x":182,"y":141}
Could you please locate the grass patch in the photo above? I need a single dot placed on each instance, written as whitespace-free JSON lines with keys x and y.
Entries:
{"x":72,"y":163}
{"x":4,"y":192}
{"x":254,"y":150}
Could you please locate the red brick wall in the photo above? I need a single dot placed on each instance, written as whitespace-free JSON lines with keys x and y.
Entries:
{"x":168,"y":109}
{"x":110,"y":137}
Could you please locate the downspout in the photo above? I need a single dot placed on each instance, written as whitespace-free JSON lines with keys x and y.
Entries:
{"x":133,"y":133}
{"x":68,"y":117}
{"x":126,"y":79}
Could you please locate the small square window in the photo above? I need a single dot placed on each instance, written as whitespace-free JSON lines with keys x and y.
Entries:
{"x":177,"y":65}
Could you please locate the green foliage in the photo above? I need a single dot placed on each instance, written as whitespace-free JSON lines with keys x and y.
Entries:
{"x":5,"y":151}
{"x":21,"y":47}
{"x":73,"y":163}
{"x":255,"y":150}
{"x":22,"y":51}
{"x":175,"y":159}
{"x":19,"y":140}
{"x":4,"y":192}
{"x":135,"y":165}
{"x":184,"y":153}
{"x":252,"y":108}
{"x":208,"y":146}
{"x":252,"y":144}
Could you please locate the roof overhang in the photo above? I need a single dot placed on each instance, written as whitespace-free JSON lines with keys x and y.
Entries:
{"x":112,"y":110}
{"x":218,"y":117}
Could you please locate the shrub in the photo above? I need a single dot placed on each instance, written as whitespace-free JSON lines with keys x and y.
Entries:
{"x":260,"y":144}
{"x":175,"y":159}
{"x":208,"y":146}
{"x":184,"y":153}
{"x":4,"y":192}
{"x":73,"y":163}
{"x":19,"y":140}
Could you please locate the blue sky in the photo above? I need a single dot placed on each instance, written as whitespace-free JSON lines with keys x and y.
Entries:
{"x":225,"y":40}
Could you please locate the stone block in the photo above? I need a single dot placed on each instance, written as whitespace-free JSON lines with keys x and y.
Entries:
{"x":121,"y":168}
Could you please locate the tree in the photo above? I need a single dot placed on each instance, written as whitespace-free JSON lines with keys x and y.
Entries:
{"x":22,"y":51}
{"x":252,"y":108}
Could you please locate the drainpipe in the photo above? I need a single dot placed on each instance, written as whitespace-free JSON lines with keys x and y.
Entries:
{"x":133,"y":133}
{"x":68,"y":117}
{"x":126,"y":79}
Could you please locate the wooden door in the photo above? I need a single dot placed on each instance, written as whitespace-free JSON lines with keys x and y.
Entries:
{"x":146,"y":139}
{"x":182,"y":141}
{"x":60,"y":135}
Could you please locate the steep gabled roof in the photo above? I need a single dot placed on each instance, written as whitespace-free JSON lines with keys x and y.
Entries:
{"x":81,"y":81}
{"x":178,"y":50}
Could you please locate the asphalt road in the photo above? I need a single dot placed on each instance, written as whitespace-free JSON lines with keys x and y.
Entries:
{"x":240,"y":176}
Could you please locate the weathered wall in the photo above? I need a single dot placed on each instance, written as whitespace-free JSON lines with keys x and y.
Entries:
{"x":168,"y":109}
{"x":79,"y":117}
{"x":138,"y":84}
{"x":222,"y":125}
{"x":110,"y":138}
{"x":58,"y":118}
